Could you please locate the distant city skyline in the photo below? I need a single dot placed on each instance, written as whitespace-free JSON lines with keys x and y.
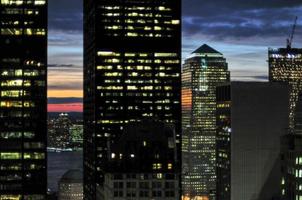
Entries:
{"x":241,"y":31}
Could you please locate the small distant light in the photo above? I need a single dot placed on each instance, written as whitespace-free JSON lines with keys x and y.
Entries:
{"x":113,"y":155}
{"x":132,"y":156}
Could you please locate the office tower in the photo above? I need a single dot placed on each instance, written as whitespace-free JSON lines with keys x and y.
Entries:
{"x":23,"y":98}
{"x":251,"y":118}
{"x":143,"y":164}
{"x":76,"y":134}
{"x":131,"y":71}
{"x":59,"y":132}
{"x":206,"y":69}
{"x":71,"y":185}
{"x":285,"y":65}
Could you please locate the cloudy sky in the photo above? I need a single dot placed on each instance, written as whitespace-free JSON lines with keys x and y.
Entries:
{"x":242,"y":30}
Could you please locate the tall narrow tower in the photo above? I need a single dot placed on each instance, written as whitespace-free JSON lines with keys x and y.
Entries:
{"x":132,"y":71}
{"x":23,"y":98}
{"x":206,"y":69}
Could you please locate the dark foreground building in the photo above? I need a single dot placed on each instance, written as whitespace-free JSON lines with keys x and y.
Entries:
{"x":291,"y":159}
{"x":131,"y":71}
{"x":291,"y":183}
{"x":143,"y":164}
{"x":205,"y":69}
{"x":251,"y":118}
{"x":23,"y":93}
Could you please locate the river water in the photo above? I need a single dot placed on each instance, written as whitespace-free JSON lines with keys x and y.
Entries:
{"x":59,"y":163}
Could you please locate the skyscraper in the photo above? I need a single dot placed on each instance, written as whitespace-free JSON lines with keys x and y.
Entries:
{"x":251,"y":118}
{"x":285,"y":65}
{"x":131,"y":71}
{"x":23,"y":111}
{"x":59,"y":132}
{"x":206,"y":69}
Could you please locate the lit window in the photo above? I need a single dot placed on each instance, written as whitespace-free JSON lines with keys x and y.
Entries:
{"x":39,"y":2}
{"x":11,"y":31}
{"x":11,"y":2}
{"x":34,"y":156}
{"x":175,"y":22}
{"x":10,"y":156}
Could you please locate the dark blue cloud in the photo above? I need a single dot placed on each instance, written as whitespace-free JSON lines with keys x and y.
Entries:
{"x":240,"y":24}
{"x":61,"y":65}
{"x":228,"y":7}
{"x":65,"y":38}
{"x":65,"y":15}
{"x":65,"y":100}
{"x":222,"y":20}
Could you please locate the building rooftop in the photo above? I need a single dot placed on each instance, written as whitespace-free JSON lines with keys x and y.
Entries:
{"x":285,"y":50}
{"x":204,"y":49}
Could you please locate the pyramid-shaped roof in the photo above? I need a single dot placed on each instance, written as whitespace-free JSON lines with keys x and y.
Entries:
{"x":204,"y":49}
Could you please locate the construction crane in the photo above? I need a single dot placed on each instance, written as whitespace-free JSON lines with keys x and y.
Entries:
{"x":291,"y":36}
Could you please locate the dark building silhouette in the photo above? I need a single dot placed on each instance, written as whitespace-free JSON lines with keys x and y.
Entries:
{"x":131,"y":71}
{"x":205,"y":69}
{"x":23,"y":93}
{"x":291,"y":162}
{"x":285,"y":65}
{"x":291,"y":159}
{"x":251,"y":118}
{"x":143,"y":164}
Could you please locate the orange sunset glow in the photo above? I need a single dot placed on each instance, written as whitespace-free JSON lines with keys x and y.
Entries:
{"x":72,"y":107}
{"x":65,"y":93}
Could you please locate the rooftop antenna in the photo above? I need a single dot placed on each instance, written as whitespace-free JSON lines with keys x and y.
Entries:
{"x":291,"y":36}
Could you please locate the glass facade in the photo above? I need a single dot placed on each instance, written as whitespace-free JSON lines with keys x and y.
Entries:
{"x":23,"y":97}
{"x":285,"y":65}
{"x":132,"y":71}
{"x":206,"y":69}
